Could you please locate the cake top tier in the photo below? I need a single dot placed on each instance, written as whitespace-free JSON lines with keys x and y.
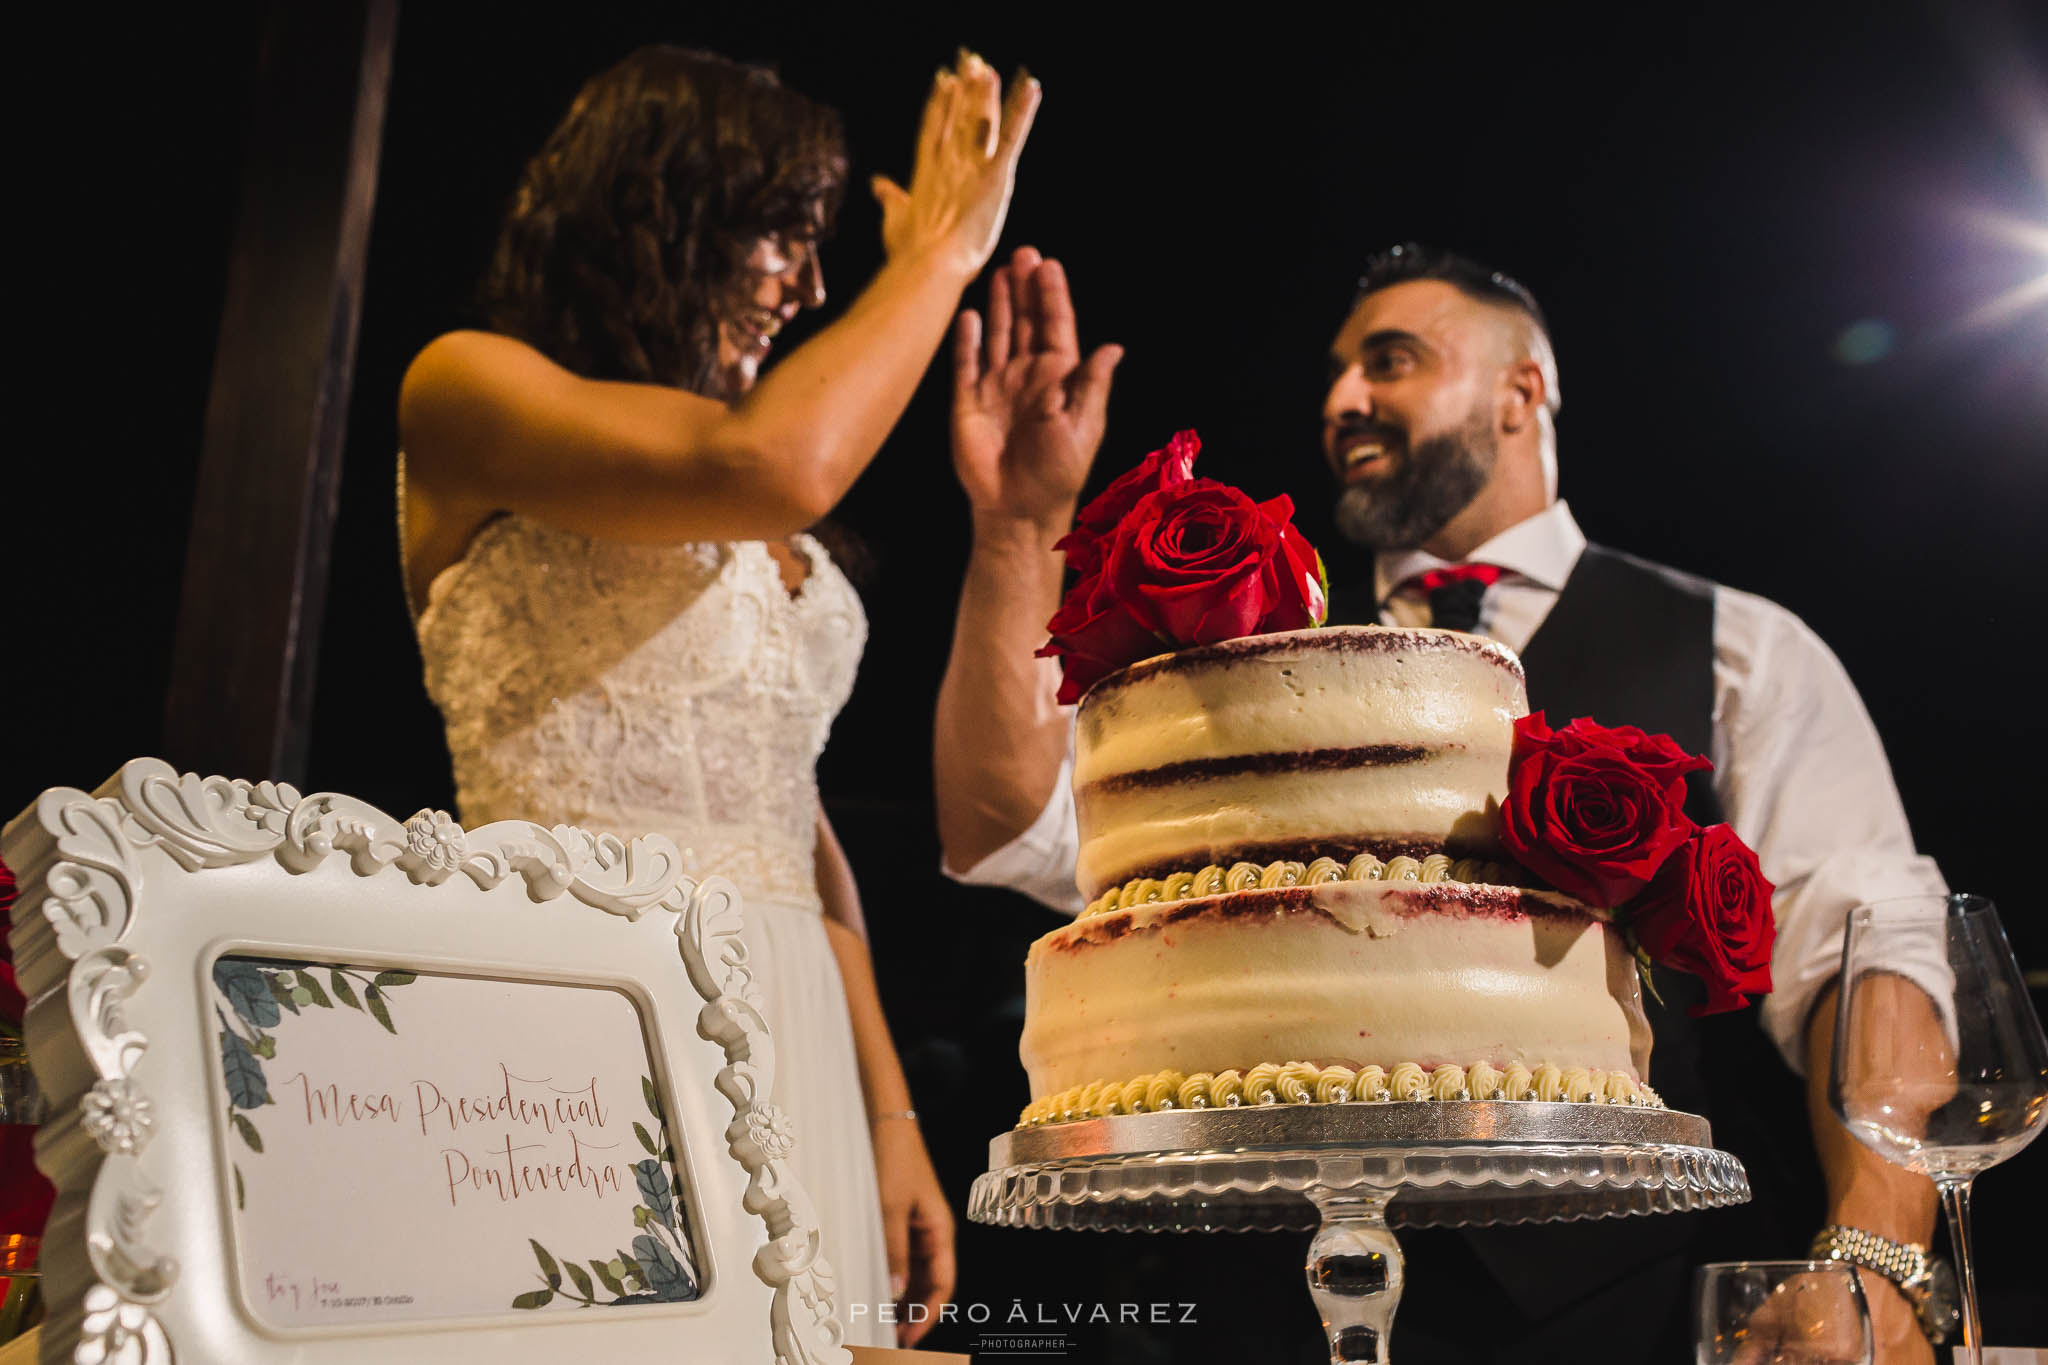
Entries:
{"x":1304,"y":744}
{"x":1333,"y":639}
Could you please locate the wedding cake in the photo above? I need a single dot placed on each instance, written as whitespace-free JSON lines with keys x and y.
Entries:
{"x":1346,"y":864}
{"x":1299,"y":893}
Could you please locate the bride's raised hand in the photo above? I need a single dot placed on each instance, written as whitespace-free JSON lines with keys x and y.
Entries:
{"x":966,"y":167}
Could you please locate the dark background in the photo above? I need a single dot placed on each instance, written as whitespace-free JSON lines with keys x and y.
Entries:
{"x":1704,"y":205}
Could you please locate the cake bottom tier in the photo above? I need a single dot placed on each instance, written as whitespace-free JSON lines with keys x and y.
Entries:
{"x":1439,"y":988}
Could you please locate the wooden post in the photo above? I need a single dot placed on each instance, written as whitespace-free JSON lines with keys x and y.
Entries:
{"x":255,"y":581}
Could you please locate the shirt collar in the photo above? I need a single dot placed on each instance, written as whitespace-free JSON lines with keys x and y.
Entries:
{"x":1541,"y":549}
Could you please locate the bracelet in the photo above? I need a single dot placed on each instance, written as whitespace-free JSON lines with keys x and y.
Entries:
{"x":1899,"y":1262}
{"x":910,"y":1114}
{"x":1926,"y":1282}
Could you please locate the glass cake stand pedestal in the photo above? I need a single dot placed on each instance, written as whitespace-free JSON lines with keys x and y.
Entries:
{"x":1354,"y":1172}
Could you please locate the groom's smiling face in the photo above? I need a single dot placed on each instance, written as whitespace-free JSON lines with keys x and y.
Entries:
{"x":1408,"y":426}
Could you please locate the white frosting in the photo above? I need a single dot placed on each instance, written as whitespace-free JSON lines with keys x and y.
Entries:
{"x":1362,"y":974}
{"x":1450,"y":696}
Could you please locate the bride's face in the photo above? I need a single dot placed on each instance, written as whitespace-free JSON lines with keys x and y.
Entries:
{"x":779,"y":279}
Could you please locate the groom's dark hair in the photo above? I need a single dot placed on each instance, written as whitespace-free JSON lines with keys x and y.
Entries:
{"x":1413,"y":261}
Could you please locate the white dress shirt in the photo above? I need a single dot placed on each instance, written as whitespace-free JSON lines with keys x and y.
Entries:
{"x":1798,"y":767}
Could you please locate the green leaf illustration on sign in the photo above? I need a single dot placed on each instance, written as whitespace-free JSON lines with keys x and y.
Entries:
{"x":664,"y":1275}
{"x":247,"y":990}
{"x":550,"y":1272}
{"x":609,"y":1278}
{"x":248,"y":1132}
{"x":343,"y":992}
{"x":246,"y":1087}
{"x":660,"y":1267}
{"x":311,"y":986}
{"x":374,"y":998}
{"x":653,"y":1184}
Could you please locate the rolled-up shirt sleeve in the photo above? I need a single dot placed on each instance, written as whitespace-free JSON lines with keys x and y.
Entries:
{"x":1040,"y":861}
{"x":1803,"y":778}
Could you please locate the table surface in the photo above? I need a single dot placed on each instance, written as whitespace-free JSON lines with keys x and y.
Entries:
{"x":22,"y":1351}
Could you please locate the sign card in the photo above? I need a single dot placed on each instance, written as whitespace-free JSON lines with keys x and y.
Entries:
{"x":405,"y":1146}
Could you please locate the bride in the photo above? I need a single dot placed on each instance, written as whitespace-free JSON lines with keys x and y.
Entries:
{"x":603,"y":506}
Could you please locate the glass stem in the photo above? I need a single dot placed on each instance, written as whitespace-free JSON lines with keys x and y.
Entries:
{"x":1955,"y":1201}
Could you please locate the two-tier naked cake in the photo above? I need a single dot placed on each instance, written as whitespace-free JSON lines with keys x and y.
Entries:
{"x":1291,"y":846}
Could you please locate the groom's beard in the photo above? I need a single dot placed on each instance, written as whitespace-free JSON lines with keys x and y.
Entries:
{"x":1438,"y":480}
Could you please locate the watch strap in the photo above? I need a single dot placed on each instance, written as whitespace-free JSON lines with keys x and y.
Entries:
{"x":1902,"y":1263}
{"x":1906,"y":1264}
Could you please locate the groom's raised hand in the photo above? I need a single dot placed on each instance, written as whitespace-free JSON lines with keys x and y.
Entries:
{"x":1027,"y":419}
{"x":1028,"y":413}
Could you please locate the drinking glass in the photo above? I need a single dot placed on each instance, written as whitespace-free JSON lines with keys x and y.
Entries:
{"x":1781,"y":1313}
{"x":1940,"y":1065}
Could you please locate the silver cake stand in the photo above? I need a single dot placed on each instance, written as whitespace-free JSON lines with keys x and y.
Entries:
{"x":1354,"y":1172}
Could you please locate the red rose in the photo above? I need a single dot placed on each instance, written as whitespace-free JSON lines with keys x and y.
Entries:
{"x":1088,"y":543}
{"x":1168,"y":560}
{"x":1586,"y":816}
{"x":1658,"y":755}
{"x":1202,"y":562}
{"x":1094,"y":633}
{"x":1709,"y":913}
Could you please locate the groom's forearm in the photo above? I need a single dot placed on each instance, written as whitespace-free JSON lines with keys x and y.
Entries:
{"x":999,"y":736}
{"x":1866,"y":1191}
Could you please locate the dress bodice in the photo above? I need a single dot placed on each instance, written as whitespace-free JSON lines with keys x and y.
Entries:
{"x":635,"y":689}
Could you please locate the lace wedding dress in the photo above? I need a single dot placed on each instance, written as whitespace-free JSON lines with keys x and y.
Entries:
{"x":680,"y":690}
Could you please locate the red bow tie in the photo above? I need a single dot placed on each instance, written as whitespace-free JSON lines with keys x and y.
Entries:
{"x":1454,"y":593}
{"x":1485,"y":575}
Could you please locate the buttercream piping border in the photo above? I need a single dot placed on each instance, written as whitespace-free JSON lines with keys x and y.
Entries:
{"x":1306,"y":1083}
{"x":1215,"y":879}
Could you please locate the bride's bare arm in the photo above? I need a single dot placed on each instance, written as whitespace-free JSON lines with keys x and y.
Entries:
{"x":917,"y":1223}
{"x":836,"y":886}
{"x":490,"y":424}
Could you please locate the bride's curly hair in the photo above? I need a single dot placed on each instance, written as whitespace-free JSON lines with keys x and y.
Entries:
{"x":631,"y":224}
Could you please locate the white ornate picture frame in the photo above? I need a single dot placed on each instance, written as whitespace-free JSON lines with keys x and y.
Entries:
{"x":149,"y":903}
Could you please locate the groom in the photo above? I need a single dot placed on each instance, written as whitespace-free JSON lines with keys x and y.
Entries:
{"x":1440,"y":440}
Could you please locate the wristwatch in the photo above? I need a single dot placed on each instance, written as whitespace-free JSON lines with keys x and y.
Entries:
{"x":1928,"y":1282}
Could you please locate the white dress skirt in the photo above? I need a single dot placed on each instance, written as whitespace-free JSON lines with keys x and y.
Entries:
{"x":818,"y":1083}
{"x":683,"y":691}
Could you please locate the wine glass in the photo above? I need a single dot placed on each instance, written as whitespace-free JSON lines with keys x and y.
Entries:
{"x":1781,"y":1313}
{"x":1940,"y":1065}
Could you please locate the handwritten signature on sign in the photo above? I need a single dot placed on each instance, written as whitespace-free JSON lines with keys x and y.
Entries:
{"x":315,"y":1292}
